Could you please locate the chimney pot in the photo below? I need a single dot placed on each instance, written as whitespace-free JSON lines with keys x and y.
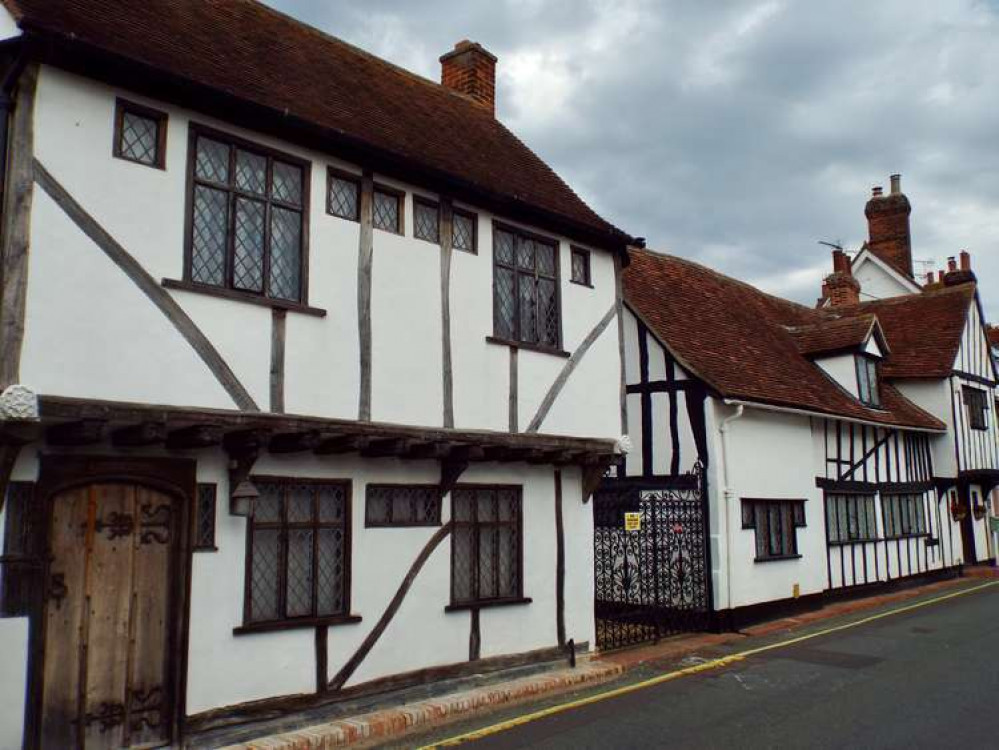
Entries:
{"x":470,"y":69}
{"x":951,"y":263}
{"x":896,"y":184}
{"x":876,"y":191}
{"x":929,"y":277}
{"x":841,"y":262}
{"x":965,"y":260}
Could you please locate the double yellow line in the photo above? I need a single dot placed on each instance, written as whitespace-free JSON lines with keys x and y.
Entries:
{"x":723,"y":661}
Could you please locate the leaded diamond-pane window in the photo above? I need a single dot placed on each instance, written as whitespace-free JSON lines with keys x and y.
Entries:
{"x":247,"y":219}
{"x":426,"y":220}
{"x":298,"y":551}
{"x":580,"y":267}
{"x":402,"y":505}
{"x":463,"y":232}
{"x":486,"y":555}
{"x":526,"y":304}
{"x":387,"y":210}
{"x":140,"y":134}
{"x":343,"y":198}
{"x":204,"y":518}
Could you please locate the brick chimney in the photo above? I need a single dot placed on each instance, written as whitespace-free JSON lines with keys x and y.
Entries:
{"x":839,"y":287}
{"x":888,"y":226}
{"x":958,"y":274}
{"x":469,"y":69}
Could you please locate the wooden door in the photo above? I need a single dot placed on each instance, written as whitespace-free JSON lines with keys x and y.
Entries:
{"x":107,"y":681}
{"x":968,"y":529}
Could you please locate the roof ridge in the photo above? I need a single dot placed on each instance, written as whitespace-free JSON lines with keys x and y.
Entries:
{"x":330,"y":38}
{"x":733,"y":279}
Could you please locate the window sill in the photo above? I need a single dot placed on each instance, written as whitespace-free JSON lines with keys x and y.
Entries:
{"x":901,"y":537}
{"x":776,"y":558}
{"x":581,"y":283}
{"x":528,"y":346}
{"x":253,"y":299}
{"x":487,"y":604}
{"x":844,"y":542}
{"x":303,"y":622}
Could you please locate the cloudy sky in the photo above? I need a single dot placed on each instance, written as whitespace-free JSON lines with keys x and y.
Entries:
{"x":737,"y":133}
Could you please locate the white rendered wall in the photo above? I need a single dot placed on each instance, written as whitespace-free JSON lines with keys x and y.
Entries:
{"x":876,"y":283}
{"x":91,"y":333}
{"x":8,"y":27}
{"x":13,"y":678}
{"x":934,"y":396}
{"x":842,"y":368}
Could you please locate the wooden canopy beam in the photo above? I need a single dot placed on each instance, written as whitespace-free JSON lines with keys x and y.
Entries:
{"x":81,"y":432}
{"x":139,"y":435}
{"x":194,"y":436}
{"x":293,"y":442}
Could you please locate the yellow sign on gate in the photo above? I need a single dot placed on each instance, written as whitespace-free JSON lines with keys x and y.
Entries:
{"x":632,"y":521}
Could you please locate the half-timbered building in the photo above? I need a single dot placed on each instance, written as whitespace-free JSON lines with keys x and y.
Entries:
{"x":309,"y":363}
{"x":782,"y":453}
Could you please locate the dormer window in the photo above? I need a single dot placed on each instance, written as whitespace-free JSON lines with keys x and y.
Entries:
{"x":867,"y":380}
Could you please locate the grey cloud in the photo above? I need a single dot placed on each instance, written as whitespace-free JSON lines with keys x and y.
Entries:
{"x":737,"y":133}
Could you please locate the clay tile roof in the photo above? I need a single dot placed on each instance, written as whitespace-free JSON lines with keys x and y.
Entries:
{"x":736,"y":339}
{"x":246,"y":50}
{"x":832,"y":336}
{"x":923,"y":330}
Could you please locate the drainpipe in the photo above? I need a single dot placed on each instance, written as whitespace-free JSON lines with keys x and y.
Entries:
{"x":729,"y":495}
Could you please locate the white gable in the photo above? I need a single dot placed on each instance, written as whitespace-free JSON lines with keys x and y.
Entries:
{"x":8,"y":27}
{"x":878,"y":280}
{"x":872,"y":348}
{"x":973,"y":356}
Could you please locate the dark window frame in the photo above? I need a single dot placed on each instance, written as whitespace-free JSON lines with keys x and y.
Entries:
{"x":227,"y":289}
{"x":866,"y":368}
{"x":422,"y":202}
{"x":585,"y":254}
{"x":474,"y":219}
{"x":341,"y":174}
{"x":517,"y":338}
{"x":897,"y":506}
{"x":22,"y":551}
{"x":400,"y":196}
{"x":753,"y":509}
{"x":977,"y":413}
{"x":391,"y":522}
{"x":161,"y":118}
{"x":865,"y":501}
{"x":283,"y":621}
{"x":475,"y":601}
{"x":206,"y":506}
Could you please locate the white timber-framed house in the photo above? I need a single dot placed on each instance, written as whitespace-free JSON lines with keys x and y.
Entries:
{"x":309,"y":367}
{"x":782,"y":455}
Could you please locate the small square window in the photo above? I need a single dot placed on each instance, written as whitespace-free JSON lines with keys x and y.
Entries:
{"x":426,"y":220}
{"x":343,"y":195}
{"x":581,"y":267}
{"x":140,"y":134}
{"x":776,"y":523}
{"x":463,"y":231}
{"x":388,"y":210}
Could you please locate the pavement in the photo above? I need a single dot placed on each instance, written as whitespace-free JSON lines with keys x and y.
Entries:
{"x":612,"y":700}
{"x":920,"y":674}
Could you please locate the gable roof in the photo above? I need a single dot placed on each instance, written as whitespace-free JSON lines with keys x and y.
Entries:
{"x":737,"y":340}
{"x":247,"y":51}
{"x":923,"y":330}
{"x":866,"y":255}
{"x":832,"y":336}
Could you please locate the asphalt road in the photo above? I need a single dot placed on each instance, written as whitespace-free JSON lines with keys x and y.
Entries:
{"x":928,"y":678}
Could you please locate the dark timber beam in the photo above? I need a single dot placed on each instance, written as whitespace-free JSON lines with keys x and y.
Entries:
{"x":82,"y":432}
{"x":293,"y":442}
{"x":431,"y":450}
{"x":451,"y":472}
{"x":331,"y":446}
{"x":385,"y":447}
{"x":139,"y":435}
{"x":195,"y":436}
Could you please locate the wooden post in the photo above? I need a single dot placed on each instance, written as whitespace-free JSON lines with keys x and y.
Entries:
{"x":446,"y":235}
{"x":278,"y":323}
{"x":559,"y":562}
{"x":16,"y":231}
{"x":365,"y":257}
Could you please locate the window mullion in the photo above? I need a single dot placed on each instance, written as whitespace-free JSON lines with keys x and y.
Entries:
{"x":283,"y":556}
{"x":269,"y":177}
{"x":229,"y":262}
{"x":496,"y":544}
{"x":474,"y":567}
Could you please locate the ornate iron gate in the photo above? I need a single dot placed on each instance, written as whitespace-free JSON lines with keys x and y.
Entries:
{"x":653,"y":575}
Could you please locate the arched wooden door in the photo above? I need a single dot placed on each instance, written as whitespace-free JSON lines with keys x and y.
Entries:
{"x":107,"y":670}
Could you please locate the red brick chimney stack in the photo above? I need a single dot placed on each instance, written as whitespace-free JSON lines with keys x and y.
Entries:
{"x":965,"y":260}
{"x":469,"y":69}
{"x":888,"y":226}
{"x":839,"y":287}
